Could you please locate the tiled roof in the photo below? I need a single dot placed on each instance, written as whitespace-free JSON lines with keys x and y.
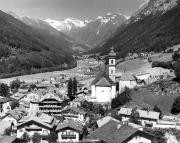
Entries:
{"x":42,"y":119}
{"x":105,"y":120}
{"x":11,"y":139}
{"x":102,"y":79}
{"x":127,"y":77}
{"x":113,"y":132}
{"x":18,"y":96}
{"x":70,"y":124}
{"x":142,"y":113}
{"x":5,"y":99}
{"x":14,"y":115}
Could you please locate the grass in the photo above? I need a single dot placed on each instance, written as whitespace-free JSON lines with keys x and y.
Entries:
{"x":153,"y":95}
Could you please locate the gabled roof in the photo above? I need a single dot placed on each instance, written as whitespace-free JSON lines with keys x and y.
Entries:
{"x":127,"y":77}
{"x":11,"y":139}
{"x":142,"y":113}
{"x":70,"y":124}
{"x":102,"y":79}
{"x":105,"y":120}
{"x":5,"y":99}
{"x":13,"y":114}
{"x":43,"y":119}
{"x":18,"y":96}
{"x":114,"y":132}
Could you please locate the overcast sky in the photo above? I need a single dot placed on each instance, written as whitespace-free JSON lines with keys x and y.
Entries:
{"x":59,"y":9}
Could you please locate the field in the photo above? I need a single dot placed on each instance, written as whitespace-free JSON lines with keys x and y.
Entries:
{"x":142,"y":65}
{"x":161,"y":93}
{"x":40,"y":76}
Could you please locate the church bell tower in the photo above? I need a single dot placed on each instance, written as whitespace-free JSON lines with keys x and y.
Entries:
{"x":112,"y":65}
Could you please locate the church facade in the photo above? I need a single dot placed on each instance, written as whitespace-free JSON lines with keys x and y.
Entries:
{"x":103,"y":88}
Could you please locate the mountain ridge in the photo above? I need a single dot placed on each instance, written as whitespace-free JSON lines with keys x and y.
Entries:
{"x":152,"y":32}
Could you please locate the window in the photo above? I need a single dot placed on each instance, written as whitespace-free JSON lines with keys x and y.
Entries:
{"x":112,"y":71}
{"x":112,"y":62}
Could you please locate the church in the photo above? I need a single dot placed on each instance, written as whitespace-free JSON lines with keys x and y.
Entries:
{"x":103,"y":88}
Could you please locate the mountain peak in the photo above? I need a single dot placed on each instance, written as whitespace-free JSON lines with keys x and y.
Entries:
{"x":154,"y":6}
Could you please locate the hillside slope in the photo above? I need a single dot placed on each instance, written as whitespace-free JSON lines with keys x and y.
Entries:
{"x":26,"y":48}
{"x":152,"y":32}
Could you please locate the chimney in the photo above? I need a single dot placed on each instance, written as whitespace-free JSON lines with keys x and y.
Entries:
{"x":118,"y":126}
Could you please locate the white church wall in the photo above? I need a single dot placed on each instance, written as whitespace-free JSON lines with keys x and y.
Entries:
{"x":103,"y":94}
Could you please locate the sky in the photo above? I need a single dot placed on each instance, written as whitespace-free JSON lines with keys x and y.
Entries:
{"x":79,"y":9}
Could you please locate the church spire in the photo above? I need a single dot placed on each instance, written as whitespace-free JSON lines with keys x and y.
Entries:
{"x":112,"y":64}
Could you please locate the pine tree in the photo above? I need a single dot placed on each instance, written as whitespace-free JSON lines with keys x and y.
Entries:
{"x":70,"y":89}
{"x":74,"y":86}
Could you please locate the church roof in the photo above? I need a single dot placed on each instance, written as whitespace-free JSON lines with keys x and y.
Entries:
{"x":112,"y":53}
{"x":102,"y":79}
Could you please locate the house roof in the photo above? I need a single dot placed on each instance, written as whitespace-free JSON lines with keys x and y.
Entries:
{"x":5,"y":99}
{"x":105,"y":120}
{"x":102,"y":79}
{"x":18,"y":96}
{"x":13,"y":114}
{"x":69,"y":123}
{"x":59,"y":118}
{"x":41,"y":118}
{"x":11,"y":139}
{"x":127,"y":77}
{"x":142,"y":113}
{"x":114,"y":132}
{"x":52,"y":96}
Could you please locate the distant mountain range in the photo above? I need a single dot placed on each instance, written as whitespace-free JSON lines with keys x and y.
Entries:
{"x":90,"y":32}
{"x":27,"y":48}
{"x":154,"y":27}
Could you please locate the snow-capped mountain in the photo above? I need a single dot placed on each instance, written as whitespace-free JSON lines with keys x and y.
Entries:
{"x":66,"y":25}
{"x":152,"y":7}
{"x":90,"y":32}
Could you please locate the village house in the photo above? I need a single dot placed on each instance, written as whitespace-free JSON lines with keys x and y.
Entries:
{"x":115,"y":132}
{"x":126,"y":80}
{"x":39,"y":123}
{"x":147,"y":118}
{"x":5,"y":105}
{"x":75,"y":114}
{"x":51,"y":104}
{"x":70,"y":131}
{"x":12,"y":117}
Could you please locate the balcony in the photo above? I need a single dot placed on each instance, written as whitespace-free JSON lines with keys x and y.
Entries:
{"x":68,"y":136}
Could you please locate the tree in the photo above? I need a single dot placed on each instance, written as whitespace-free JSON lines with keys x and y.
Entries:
{"x":4,"y":90}
{"x":70,"y":89}
{"x":52,"y":137}
{"x":176,"y":67}
{"x":36,"y":138}
{"x":14,"y":104}
{"x":176,"y":56}
{"x":8,"y":131}
{"x":15,"y":84}
{"x":176,"y":106}
{"x":134,"y":117}
{"x":74,"y":86}
{"x":157,"y":109}
{"x":121,"y":99}
{"x":85,"y":131}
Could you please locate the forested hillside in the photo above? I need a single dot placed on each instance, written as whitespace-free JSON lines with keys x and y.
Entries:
{"x":24,"y":49}
{"x":154,"y":32}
